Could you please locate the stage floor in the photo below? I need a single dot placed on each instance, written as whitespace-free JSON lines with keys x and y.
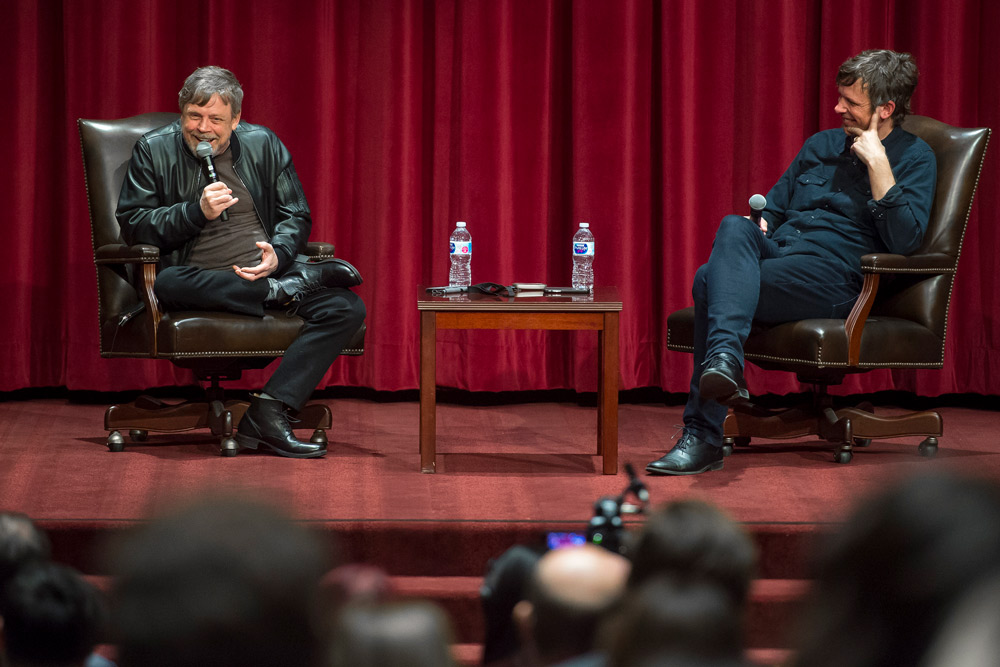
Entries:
{"x":533,"y":462}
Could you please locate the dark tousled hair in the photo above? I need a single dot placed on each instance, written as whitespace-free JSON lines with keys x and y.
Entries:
{"x":885,"y":75}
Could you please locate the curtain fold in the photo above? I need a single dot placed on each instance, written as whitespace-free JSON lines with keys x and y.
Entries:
{"x":649,"y":119}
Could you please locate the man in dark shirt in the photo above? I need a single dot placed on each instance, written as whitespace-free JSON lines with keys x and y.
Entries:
{"x":234,"y":244}
{"x":864,"y":188}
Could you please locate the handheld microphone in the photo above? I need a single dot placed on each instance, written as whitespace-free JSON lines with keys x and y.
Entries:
{"x":757,"y":204}
{"x":204,"y":151}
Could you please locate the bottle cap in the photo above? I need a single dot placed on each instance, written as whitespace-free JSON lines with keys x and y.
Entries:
{"x":460,"y":224}
{"x":585,"y":224}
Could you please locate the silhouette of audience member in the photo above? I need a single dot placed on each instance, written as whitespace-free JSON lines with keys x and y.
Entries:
{"x":573,"y":589}
{"x":355,"y":582}
{"x":392,"y":634}
{"x":693,"y":539}
{"x":351,"y":583}
{"x":505,"y":584}
{"x":20,"y":543}
{"x":673,"y":620}
{"x":891,"y":577}
{"x":221,"y":582}
{"x":971,"y":634}
{"x":49,"y":617}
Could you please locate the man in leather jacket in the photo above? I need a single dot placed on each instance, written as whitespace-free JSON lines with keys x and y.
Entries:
{"x":232,"y":244}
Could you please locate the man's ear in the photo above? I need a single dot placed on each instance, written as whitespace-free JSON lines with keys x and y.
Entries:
{"x":887,"y":110}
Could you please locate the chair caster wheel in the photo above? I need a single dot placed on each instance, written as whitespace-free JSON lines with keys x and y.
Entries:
{"x":727,"y":450}
{"x":136,"y":435}
{"x":229,"y":447}
{"x":116,"y":442}
{"x":318,"y":437}
{"x":928,"y":448}
{"x":862,"y":442}
{"x":843,"y":456}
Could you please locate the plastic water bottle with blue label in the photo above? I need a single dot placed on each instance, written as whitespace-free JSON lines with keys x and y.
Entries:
{"x":583,"y":257}
{"x":460,"y":244}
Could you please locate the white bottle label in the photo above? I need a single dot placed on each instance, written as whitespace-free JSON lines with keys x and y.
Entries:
{"x":461,"y":248}
{"x":583,"y":248}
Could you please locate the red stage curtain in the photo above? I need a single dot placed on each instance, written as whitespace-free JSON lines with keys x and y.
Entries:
{"x":648,"y":119}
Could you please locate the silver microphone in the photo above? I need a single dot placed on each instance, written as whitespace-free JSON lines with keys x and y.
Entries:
{"x":204,"y":151}
{"x":757,"y":204}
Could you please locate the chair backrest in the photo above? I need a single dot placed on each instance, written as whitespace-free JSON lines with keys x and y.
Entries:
{"x":960,"y":153}
{"x":107,"y":147}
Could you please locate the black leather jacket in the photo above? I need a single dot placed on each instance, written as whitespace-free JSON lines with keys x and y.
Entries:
{"x":159,"y":205}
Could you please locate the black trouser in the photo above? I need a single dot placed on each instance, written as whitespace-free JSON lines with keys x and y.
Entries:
{"x":332,"y":317}
{"x":750,"y":278}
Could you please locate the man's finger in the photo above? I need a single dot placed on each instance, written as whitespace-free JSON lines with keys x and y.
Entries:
{"x":245,"y":272}
{"x":873,"y":121}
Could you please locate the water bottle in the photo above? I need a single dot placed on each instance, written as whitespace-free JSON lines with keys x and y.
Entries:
{"x":460,"y":243}
{"x":583,"y":257}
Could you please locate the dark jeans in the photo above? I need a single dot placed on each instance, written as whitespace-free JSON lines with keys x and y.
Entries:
{"x":332,"y":316}
{"x":750,"y":278}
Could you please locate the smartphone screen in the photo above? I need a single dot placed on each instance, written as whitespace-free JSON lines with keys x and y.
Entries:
{"x":559,"y":540}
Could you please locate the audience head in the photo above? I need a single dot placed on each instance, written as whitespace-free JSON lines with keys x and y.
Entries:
{"x":885,"y":75}
{"x":672,"y":619}
{"x":505,"y":584}
{"x":393,"y":634}
{"x":20,"y":542}
{"x":891,"y":576}
{"x":970,"y":636}
{"x":49,"y":615}
{"x":693,"y":539}
{"x":218,"y":582}
{"x":571,"y":592}
{"x":355,"y":582}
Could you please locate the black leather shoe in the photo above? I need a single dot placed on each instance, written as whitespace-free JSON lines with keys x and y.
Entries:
{"x":723,"y":381}
{"x":266,"y":423}
{"x":689,"y":456}
{"x":304,"y":277}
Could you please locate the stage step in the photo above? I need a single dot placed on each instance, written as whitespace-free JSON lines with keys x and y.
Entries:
{"x":774,"y":605}
{"x":471,"y":654}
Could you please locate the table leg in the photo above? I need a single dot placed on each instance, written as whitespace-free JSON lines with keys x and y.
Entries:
{"x":607,"y":400}
{"x":600,"y":391}
{"x":428,"y":390}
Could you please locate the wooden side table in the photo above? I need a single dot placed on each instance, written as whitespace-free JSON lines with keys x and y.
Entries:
{"x":597,"y":312}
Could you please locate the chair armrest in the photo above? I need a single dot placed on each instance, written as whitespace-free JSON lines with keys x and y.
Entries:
{"x":889,"y":263}
{"x":148,"y":257}
{"x":319,"y":250}
{"x":117,"y":253}
{"x":875,"y":265}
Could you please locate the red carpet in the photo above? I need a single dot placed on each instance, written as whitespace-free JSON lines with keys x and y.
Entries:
{"x":507,"y":474}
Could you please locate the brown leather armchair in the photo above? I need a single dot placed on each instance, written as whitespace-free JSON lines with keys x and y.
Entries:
{"x":899,"y":320}
{"x":215,"y":346}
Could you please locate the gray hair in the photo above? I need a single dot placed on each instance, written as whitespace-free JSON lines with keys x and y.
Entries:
{"x":885,"y":75}
{"x":207,"y":81}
